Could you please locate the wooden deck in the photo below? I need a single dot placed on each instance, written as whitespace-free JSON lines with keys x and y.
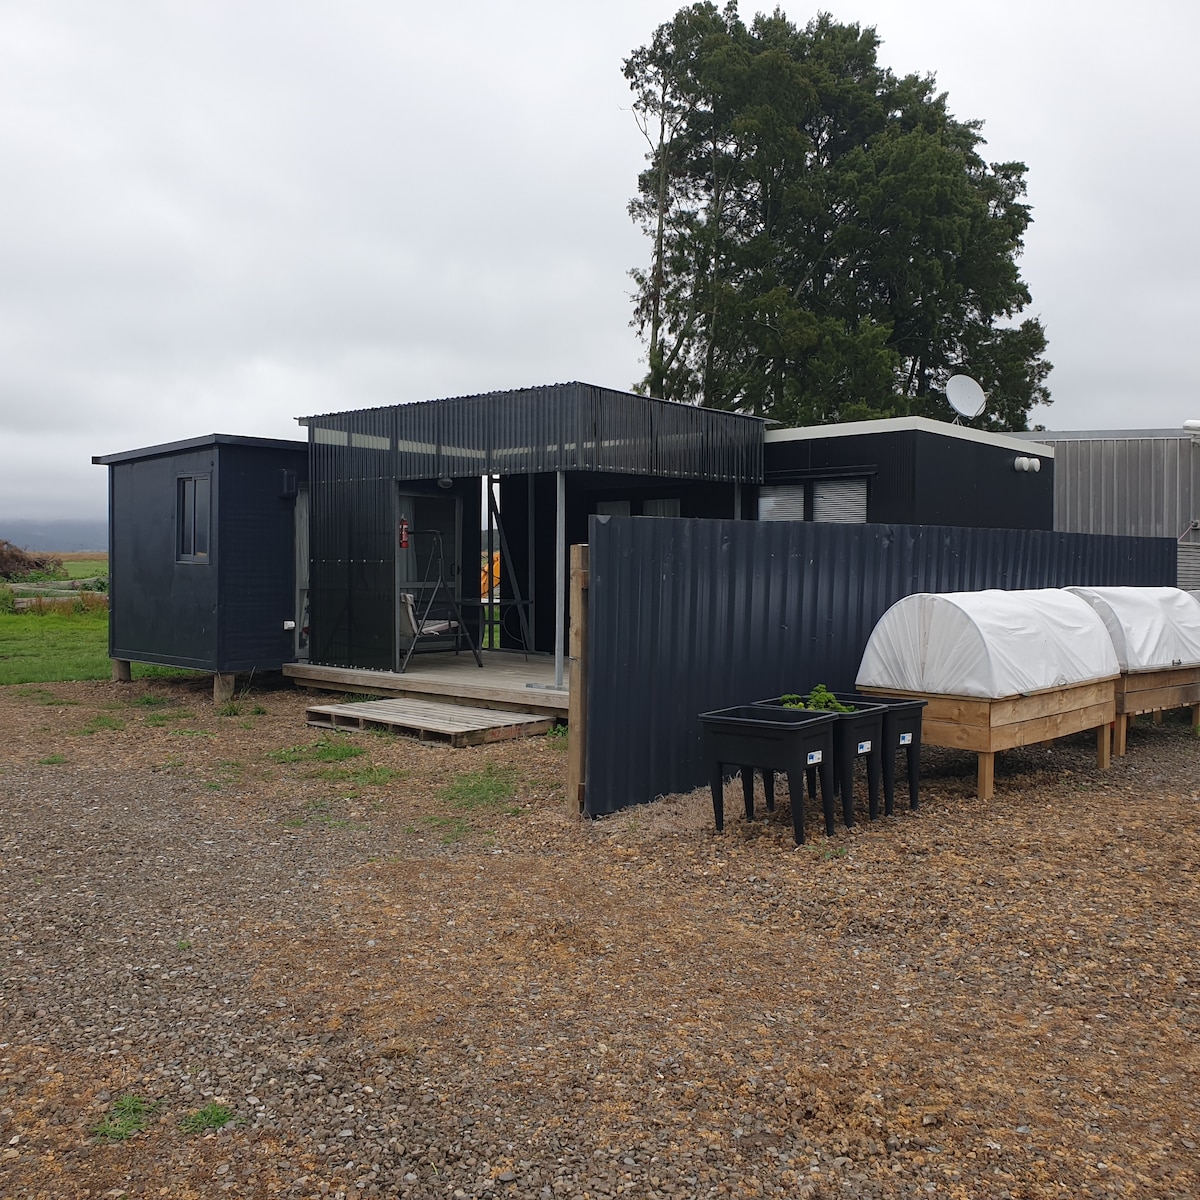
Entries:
{"x":502,"y":683}
{"x":431,"y":720}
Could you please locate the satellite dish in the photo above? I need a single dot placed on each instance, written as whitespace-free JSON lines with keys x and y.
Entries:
{"x":965,"y":395}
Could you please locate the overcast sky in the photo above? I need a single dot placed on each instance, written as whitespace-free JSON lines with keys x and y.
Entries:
{"x":220,"y":216}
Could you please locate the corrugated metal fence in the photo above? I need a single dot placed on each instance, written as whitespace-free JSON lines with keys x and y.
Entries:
{"x":691,"y":615}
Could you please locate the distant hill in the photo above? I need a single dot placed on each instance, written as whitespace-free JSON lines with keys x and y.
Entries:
{"x":56,"y":537}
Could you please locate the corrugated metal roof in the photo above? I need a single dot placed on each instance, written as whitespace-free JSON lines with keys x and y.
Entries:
{"x":561,"y":427}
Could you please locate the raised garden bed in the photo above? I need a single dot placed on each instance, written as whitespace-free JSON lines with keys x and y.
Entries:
{"x":996,"y":669}
{"x":1155,"y":633}
{"x":988,"y":726}
{"x":1154,"y":692}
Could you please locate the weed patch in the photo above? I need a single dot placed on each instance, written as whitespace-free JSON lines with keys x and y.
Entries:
{"x":52,"y":760}
{"x":364,"y":777}
{"x":211,"y":1116}
{"x":485,"y":789}
{"x":317,"y":812}
{"x":450,"y":829}
{"x":328,"y":750}
{"x":100,"y":721}
{"x":129,"y":1115}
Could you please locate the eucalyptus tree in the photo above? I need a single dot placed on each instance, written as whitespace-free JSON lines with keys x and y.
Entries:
{"x":827,"y":242}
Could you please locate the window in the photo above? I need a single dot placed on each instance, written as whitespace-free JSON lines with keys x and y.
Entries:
{"x":192,"y":518}
{"x":666,"y":507}
{"x":782,"y":502}
{"x":842,"y":500}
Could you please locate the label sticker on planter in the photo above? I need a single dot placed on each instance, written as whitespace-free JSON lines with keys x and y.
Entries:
{"x":864,"y":747}
{"x":906,"y":739}
{"x":814,"y":757}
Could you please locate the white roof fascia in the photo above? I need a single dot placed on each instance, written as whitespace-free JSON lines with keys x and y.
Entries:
{"x":1006,"y":441}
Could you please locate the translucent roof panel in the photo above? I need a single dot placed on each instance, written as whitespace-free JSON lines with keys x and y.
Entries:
{"x":988,"y":644}
{"x":1151,"y":627}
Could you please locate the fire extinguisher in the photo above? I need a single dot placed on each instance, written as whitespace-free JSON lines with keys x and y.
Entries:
{"x":403,"y":533}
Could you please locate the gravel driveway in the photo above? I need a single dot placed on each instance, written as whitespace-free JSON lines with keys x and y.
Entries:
{"x":396,"y":990}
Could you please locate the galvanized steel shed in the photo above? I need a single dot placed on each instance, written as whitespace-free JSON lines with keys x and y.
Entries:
{"x":1131,"y":482}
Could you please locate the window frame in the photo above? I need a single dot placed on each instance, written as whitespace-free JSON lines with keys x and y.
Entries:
{"x":193,"y":517}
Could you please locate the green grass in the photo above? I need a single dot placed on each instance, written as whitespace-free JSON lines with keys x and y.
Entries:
{"x":362,"y":777}
{"x":85,"y":568}
{"x":52,"y":760}
{"x":316,"y":812}
{"x":488,"y":788}
{"x":97,"y":723}
{"x":451,"y":829}
{"x":56,"y":647}
{"x":211,"y":1116}
{"x":336,"y":748}
{"x":129,"y":1115}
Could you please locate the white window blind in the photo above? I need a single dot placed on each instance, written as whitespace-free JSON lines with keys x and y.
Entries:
{"x":781,"y":502}
{"x":842,"y":500}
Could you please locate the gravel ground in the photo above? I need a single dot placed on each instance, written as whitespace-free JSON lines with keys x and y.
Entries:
{"x":400,"y":993}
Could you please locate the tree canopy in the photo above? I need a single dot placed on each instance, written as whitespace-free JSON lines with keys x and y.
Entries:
{"x":827,"y":242}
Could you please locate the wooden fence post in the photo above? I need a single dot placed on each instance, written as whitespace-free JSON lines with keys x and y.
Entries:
{"x":577,"y":710}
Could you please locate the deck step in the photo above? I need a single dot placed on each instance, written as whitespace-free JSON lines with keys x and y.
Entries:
{"x":431,"y":720}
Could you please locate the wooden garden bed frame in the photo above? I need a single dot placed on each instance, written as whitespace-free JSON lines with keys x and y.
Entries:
{"x":988,"y":726}
{"x":1155,"y":692}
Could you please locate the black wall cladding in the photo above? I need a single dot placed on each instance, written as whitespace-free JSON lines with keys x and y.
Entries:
{"x":691,"y":615}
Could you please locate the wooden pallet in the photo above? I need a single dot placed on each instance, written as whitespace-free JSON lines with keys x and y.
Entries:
{"x":431,"y":721}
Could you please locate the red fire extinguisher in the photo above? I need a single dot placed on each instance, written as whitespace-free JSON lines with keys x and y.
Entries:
{"x":403,"y":533}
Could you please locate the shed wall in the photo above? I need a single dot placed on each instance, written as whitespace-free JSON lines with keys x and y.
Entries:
{"x":688,"y":616}
{"x":257,"y":563}
{"x":918,"y":477}
{"x":160,"y":610}
{"x":1137,"y":486}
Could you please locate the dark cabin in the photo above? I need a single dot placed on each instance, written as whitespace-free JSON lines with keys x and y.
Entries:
{"x":553,"y":455}
{"x":907,"y":471}
{"x":205,"y":567}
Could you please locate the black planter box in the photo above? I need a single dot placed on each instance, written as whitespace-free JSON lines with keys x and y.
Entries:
{"x":855,"y":734}
{"x":771,"y":739}
{"x":901,"y":731}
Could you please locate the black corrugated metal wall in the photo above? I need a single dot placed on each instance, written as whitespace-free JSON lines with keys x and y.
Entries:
{"x":691,"y":615}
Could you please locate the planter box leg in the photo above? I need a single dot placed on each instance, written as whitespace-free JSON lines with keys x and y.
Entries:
{"x":826,"y":770}
{"x":769,"y":789}
{"x":122,"y":670}
{"x":987,"y":774}
{"x":796,"y":788}
{"x":1103,"y":748}
{"x":717,"y":783}
{"x":748,"y":790}
{"x":223,"y":688}
{"x":914,"y":775}
{"x":873,"y":773}
{"x":1120,"y":725}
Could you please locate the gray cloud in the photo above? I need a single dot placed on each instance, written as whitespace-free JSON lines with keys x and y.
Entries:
{"x":221,"y":216}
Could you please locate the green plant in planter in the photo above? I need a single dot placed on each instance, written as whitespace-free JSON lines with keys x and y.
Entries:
{"x":820,"y":699}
